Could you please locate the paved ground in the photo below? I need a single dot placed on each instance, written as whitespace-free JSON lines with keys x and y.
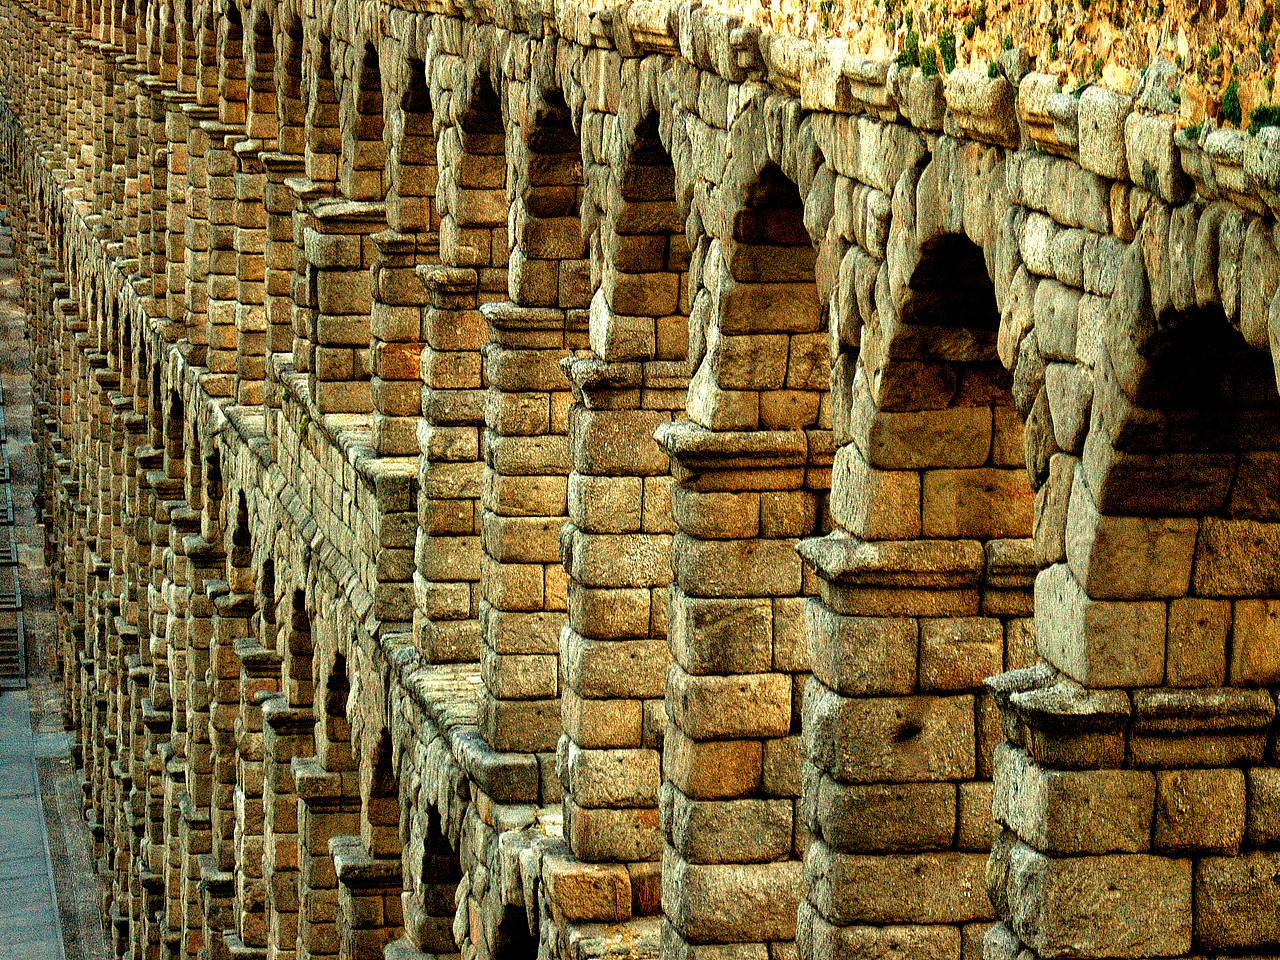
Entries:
{"x":41,"y":803}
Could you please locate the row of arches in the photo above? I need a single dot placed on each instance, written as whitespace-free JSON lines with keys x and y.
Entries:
{"x":575,"y":315}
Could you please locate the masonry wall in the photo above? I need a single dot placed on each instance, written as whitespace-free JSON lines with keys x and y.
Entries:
{"x":597,"y":483}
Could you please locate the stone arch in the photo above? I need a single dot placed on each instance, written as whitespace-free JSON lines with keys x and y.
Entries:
{"x":232,"y":88}
{"x":175,"y":435}
{"x":266,"y":599}
{"x":363,"y":124}
{"x":620,"y":493}
{"x":431,"y":815}
{"x":167,"y":42}
{"x":757,"y":437}
{"x":298,"y":652}
{"x":524,"y":504}
{"x":775,"y":375}
{"x":206,"y":46}
{"x":291,"y":111}
{"x":368,"y":863}
{"x":333,"y":721}
{"x":263,"y":118}
{"x":323,"y":137}
{"x":1159,"y":528}
{"x":288,"y":746}
{"x":548,"y":249}
{"x":188,"y":43}
{"x":411,"y":245}
{"x":155,"y":402}
{"x":472,"y":198}
{"x":127,"y":350}
{"x":412,"y":171}
{"x":928,"y":487}
{"x":212,"y":488}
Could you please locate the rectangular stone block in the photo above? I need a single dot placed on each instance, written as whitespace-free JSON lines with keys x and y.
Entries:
{"x":755,"y":705}
{"x":1237,"y":902}
{"x":960,"y":653}
{"x":1127,"y":558}
{"x":1100,"y":907}
{"x":861,"y":655}
{"x":897,"y":739}
{"x":943,"y":887}
{"x":728,"y":831}
{"x":1098,"y":643}
{"x":982,"y":503}
{"x":1196,"y":646}
{"x":884,"y":818}
{"x":731,"y":903}
{"x":709,"y":636}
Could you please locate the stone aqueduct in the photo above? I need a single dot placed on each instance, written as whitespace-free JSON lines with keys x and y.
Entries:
{"x":532,"y":481}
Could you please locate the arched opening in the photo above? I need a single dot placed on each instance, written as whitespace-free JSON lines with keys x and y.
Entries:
{"x":206,"y":66}
{"x":524,"y":505}
{"x":291,"y":107}
{"x":411,"y":164}
{"x":189,"y":64}
{"x":260,"y":79}
{"x":473,"y":235}
{"x":333,"y":727}
{"x":620,"y":486}
{"x":174,"y":433}
{"x":167,"y":44}
{"x":758,"y":345}
{"x":398,"y":326}
{"x":772,"y":260}
{"x":935,"y":465}
{"x":289,"y":743}
{"x":364,"y":152}
{"x":232,"y":89}
{"x":369,"y":865}
{"x":323,"y":138}
{"x":265,"y":597}
{"x":299,"y":683}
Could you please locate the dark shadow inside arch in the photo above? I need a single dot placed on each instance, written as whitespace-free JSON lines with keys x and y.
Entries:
{"x":1199,"y":363}
{"x":946,"y":346}
{"x":655,"y":243}
{"x":415,"y":175}
{"x":773,"y":213}
{"x":363,"y":166}
{"x":299,"y":654}
{"x":262,"y":83}
{"x":320,"y":100}
{"x":291,"y":111}
{"x":950,"y":286}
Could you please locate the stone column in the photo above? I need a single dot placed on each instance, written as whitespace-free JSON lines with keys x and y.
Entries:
{"x":396,"y":328}
{"x":288,"y":732}
{"x":339,"y":254}
{"x":278,"y":260}
{"x":614,"y":653}
{"x":196,"y":233}
{"x":752,"y":466}
{"x":250,"y":241}
{"x":306,"y":192}
{"x":221,"y":333}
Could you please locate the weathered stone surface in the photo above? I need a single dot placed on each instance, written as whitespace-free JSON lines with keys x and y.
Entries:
{"x":1100,"y":906}
{"x":522,"y":481}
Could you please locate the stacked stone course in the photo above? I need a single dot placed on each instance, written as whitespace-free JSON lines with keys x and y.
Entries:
{"x":594,"y":483}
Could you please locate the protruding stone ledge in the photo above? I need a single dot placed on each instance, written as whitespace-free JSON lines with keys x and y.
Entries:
{"x":981,"y":108}
{"x":259,"y":662}
{"x":1059,"y":722}
{"x":357,"y":869}
{"x":695,"y":449}
{"x":1210,"y":727}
